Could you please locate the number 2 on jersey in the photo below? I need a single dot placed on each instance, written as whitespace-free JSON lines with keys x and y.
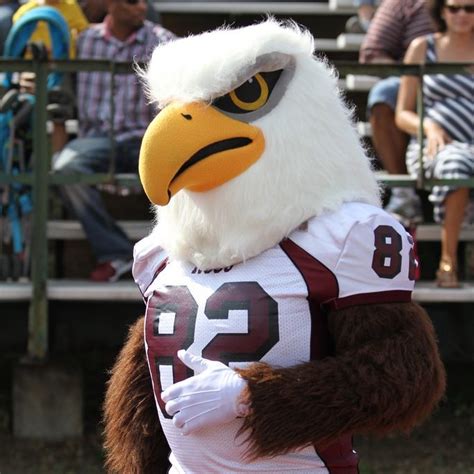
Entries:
{"x":171,"y":321}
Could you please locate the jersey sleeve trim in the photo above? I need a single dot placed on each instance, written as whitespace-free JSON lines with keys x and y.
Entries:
{"x":321,"y":282}
{"x":394,"y":296}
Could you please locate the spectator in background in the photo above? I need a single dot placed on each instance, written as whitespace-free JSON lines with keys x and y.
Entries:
{"x":95,"y":10}
{"x":124,"y":35}
{"x":395,"y":24}
{"x":360,"y":22}
{"x":448,"y":124}
{"x":7,"y":9}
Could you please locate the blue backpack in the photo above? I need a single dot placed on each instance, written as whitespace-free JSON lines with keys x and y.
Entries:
{"x":15,"y":199}
{"x":20,"y":34}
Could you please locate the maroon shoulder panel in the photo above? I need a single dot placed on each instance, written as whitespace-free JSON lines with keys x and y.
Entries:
{"x":322,"y":287}
{"x":339,"y":457}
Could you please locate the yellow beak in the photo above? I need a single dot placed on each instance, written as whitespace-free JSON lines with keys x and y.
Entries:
{"x":196,"y":147}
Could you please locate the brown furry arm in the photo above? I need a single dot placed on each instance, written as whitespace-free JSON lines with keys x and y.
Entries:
{"x":134,"y":441}
{"x":386,"y":376}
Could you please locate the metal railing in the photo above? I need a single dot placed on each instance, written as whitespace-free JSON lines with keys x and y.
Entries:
{"x":41,"y":177}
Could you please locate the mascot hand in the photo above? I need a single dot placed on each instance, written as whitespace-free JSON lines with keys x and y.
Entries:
{"x":212,"y":397}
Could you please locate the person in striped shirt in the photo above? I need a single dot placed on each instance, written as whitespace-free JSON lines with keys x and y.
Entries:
{"x":124,"y":35}
{"x":395,"y":24}
{"x":448,"y":123}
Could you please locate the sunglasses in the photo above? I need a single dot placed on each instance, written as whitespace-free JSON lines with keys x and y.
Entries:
{"x":135,"y":2}
{"x":456,"y":8}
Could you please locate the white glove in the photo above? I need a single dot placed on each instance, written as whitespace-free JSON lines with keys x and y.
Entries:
{"x":209,"y":398}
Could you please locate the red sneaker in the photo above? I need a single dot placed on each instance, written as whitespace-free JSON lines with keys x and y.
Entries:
{"x":111,"y":271}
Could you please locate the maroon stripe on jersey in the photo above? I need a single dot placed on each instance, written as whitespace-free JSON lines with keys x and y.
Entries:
{"x":395,"y":296}
{"x":160,"y":268}
{"x":322,"y":287}
{"x":340,"y":458}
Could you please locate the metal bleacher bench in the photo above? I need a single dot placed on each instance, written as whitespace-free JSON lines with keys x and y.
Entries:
{"x":127,"y":291}
{"x":135,"y":230}
{"x":334,"y":7}
{"x":425,"y":291}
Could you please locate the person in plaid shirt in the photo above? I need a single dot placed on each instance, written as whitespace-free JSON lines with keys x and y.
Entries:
{"x":124,"y":35}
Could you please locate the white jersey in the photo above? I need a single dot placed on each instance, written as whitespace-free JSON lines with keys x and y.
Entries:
{"x":272,"y":308}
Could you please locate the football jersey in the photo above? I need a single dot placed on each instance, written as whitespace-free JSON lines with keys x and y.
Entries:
{"x":271,"y":308}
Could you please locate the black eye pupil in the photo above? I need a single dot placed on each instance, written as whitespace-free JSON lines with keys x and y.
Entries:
{"x":249,"y":92}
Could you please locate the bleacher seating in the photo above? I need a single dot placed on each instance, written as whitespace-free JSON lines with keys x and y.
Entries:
{"x":73,"y":290}
{"x":326,"y":21}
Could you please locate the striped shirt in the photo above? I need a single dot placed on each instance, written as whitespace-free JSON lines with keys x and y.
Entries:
{"x":449,"y":100}
{"x":395,"y":24}
{"x":132,"y":113}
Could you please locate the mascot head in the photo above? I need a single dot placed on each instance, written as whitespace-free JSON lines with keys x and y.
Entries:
{"x":253,"y":139}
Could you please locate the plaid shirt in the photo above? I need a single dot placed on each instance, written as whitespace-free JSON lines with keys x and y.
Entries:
{"x":132,"y":113}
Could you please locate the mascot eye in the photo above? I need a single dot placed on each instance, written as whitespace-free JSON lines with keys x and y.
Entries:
{"x":251,"y":95}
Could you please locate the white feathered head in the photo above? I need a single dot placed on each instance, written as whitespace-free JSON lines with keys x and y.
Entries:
{"x":252,"y":141}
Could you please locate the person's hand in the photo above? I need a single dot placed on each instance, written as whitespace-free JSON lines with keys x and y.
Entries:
{"x":436,"y":137}
{"x":27,"y":82}
{"x":211,"y":397}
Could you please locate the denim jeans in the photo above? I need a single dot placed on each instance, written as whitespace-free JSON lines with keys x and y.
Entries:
{"x":87,"y":156}
{"x":384,"y":92}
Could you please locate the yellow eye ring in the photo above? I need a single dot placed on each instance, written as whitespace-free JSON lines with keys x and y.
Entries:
{"x":256,"y":104}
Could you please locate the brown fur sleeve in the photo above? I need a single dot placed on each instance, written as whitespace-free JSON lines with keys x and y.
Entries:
{"x":386,"y":375}
{"x":134,"y":441}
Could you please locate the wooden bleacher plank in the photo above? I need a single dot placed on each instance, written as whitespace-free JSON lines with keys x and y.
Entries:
{"x":432,"y":233}
{"x":127,"y":291}
{"x":350,"y":41}
{"x":364,"y":129}
{"x":71,"y":230}
{"x":15,"y":291}
{"x":72,"y":290}
{"x":428,"y":292}
{"x":359,"y":82}
{"x":135,"y":230}
{"x":276,"y":8}
{"x":326,"y":44}
{"x":395,"y":179}
{"x":342,"y":6}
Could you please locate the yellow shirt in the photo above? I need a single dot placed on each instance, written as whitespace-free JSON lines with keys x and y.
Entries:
{"x":71,"y":12}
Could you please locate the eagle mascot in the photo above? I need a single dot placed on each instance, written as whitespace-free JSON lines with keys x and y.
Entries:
{"x":279,"y":320}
